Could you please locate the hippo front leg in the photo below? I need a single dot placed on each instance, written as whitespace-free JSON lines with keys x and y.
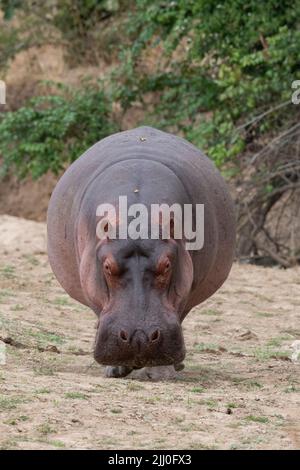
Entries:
{"x":117,"y":371}
{"x":179,"y":366}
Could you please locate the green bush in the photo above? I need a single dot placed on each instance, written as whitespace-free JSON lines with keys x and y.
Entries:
{"x":53,"y":131}
{"x":223,"y":64}
{"x":222,"y":79}
{"x":8,"y":7}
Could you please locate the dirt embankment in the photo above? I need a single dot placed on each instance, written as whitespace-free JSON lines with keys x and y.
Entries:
{"x":239,"y":389}
{"x":27,"y":198}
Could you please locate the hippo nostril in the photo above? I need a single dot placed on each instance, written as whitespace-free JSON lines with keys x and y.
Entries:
{"x":124,"y":335}
{"x":155,"y":335}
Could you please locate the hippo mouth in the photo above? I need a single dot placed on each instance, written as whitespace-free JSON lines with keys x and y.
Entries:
{"x":139,"y":361}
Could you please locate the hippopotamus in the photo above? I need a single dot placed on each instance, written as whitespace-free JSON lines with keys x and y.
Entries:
{"x":140,"y":288}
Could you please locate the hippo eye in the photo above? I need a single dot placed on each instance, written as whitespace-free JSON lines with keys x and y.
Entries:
{"x":164,"y":267}
{"x":107,"y":267}
{"x":110,"y":267}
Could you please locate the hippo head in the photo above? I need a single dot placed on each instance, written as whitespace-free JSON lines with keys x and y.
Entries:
{"x":139,"y":289}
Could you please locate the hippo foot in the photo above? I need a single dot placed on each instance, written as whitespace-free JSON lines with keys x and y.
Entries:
{"x":178,"y":367}
{"x":117,"y":371}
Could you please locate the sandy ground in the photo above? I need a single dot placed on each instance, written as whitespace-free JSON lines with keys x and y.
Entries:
{"x":239,"y":389}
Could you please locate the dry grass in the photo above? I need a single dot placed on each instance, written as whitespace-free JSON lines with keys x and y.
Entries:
{"x":239,"y":390}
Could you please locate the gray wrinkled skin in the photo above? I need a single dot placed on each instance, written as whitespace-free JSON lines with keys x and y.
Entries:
{"x":140,"y":290}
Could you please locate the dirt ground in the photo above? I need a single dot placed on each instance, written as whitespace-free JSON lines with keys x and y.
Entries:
{"x":240,"y":389}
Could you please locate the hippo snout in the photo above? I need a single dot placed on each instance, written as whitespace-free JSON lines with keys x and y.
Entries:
{"x":136,"y":346}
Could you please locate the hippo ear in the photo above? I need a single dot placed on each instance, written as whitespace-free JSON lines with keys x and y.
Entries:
{"x":92,"y":282}
{"x":182,"y":278}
